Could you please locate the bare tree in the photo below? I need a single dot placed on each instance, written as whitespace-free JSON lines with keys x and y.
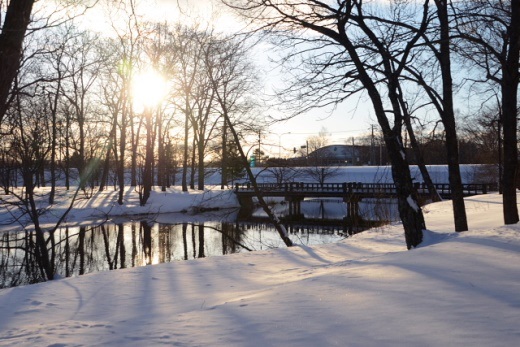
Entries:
{"x":30,"y":146}
{"x":367,"y":49}
{"x":284,"y":174}
{"x":17,"y":19}
{"x":491,"y":41}
{"x":202,"y":124}
{"x":81,"y":64}
{"x":447,"y":114}
{"x":417,"y":151}
{"x":314,"y":143}
{"x":231,"y":78}
{"x":187,"y":68}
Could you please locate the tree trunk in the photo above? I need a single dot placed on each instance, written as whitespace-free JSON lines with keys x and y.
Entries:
{"x":417,"y":152}
{"x":148,"y":161}
{"x":121,"y":162}
{"x":67,"y":153}
{"x":134,"y":138}
{"x":223,"y":165}
{"x":200,"y":178}
{"x":17,"y":18}
{"x":104,"y":174}
{"x":510,"y":80}
{"x":162,"y":165}
{"x":409,"y":210}
{"x":282,"y":231}
{"x":109,"y":147}
{"x":192,"y":165}
{"x":54,"y":135}
{"x":448,"y":119}
{"x":185,"y":155}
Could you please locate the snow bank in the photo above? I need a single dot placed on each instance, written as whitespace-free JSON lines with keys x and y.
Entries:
{"x":457,"y":289}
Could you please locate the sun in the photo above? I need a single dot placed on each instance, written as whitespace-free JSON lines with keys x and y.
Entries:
{"x":148,"y":89}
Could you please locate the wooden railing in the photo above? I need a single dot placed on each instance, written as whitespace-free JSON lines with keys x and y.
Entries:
{"x":375,"y":189}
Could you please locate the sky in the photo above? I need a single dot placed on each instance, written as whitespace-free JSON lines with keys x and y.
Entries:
{"x":350,"y":119}
{"x":456,"y":289}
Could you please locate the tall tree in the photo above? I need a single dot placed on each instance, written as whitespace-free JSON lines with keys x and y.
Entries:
{"x":367,"y":49}
{"x":83,"y":62}
{"x":231,"y":78}
{"x":447,"y":113}
{"x":17,"y":19}
{"x":490,"y":39}
{"x":187,"y":67}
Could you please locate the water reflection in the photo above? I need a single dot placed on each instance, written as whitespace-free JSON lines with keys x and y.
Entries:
{"x":78,"y":250}
{"x":110,"y":246}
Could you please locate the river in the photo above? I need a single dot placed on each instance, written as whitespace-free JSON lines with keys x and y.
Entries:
{"x":124,"y":243}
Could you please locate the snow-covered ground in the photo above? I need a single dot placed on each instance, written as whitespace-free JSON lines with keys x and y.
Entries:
{"x":458,"y":289}
{"x":103,"y":205}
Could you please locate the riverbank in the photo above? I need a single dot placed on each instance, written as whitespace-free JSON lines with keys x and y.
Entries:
{"x":456,"y":289}
{"x":103,"y":205}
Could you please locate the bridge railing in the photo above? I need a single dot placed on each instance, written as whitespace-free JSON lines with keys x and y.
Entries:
{"x":468,"y":188}
{"x":360,"y":188}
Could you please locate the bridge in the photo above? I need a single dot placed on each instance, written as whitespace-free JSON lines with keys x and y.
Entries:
{"x":351,"y":192}
{"x":348,"y":190}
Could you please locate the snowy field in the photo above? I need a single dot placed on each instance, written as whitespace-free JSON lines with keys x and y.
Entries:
{"x":366,"y":174}
{"x":458,"y":289}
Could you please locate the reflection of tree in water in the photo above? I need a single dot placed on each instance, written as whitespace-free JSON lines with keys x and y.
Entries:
{"x":110,"y":246}
{"x":201,"y":240}
{"x":233,"y":235}
{"x":18,"y":266}
{"x":146,"y":241}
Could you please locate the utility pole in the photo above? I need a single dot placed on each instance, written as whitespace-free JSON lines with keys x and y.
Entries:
{"x":259,"y":141}
{"x":353,"y":152}
{"x":307,"y":145}
{"x":372,"y":144}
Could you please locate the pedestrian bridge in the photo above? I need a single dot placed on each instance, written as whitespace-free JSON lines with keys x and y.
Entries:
{"x":350,"y":190}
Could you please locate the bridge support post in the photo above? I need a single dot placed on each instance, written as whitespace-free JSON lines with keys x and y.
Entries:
{"x":246,"y":206}
{"x":352,"y":217}
{"x":295,"y":207}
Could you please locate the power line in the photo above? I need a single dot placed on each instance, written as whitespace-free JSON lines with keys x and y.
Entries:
{"x":329,"y":132}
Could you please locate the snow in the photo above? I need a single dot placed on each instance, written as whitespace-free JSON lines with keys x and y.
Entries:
{"x":103,"y":205}
{"x":370,"y":174}
{"x":412,"y":204}
{"x":368,"y":290}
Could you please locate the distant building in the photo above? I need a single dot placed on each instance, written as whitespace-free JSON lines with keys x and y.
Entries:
{"x":336,"y":155}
